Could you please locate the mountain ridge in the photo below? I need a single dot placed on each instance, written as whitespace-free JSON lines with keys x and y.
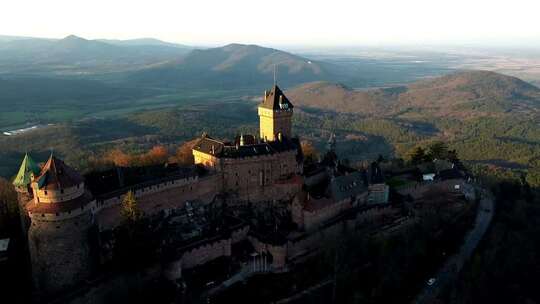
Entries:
{"x":76,"y":55}
{"x":237,"y":65}
{"x":459,"y":95}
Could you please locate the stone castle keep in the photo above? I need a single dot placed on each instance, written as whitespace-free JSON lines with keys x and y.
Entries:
{"x":65,"y":215}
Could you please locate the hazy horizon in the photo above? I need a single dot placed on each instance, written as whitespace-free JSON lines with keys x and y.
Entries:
{"x":301,"y":23}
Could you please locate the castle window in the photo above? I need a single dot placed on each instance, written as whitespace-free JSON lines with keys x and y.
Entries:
{"x":57,"y":214}
{"x":42,"y":215}
{"x":62,"y":191}
{"x":45,"y":192}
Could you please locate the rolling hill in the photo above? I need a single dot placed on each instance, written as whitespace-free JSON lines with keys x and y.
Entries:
{"x":462,"y":94}
{"x":238,"y":66}
{"x":76,"y":55}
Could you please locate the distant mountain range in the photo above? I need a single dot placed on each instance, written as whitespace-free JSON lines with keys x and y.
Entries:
{"x":144,"y":41}
{"x":153,"y":63}
{"x":458,"y":95}
{"x":75,"y":55}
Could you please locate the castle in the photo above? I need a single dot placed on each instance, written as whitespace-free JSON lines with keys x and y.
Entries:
{"x":64,"y":215}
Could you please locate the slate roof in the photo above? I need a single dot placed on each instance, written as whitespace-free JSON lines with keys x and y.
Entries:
{"x":347,"y":186}
{"x":226,"y":150}
{"x":55,"y":174}
{"x":272,"y":100}
{"x":27,"y":171}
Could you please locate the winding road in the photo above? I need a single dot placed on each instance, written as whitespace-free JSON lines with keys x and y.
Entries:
{"x":455,"y":263}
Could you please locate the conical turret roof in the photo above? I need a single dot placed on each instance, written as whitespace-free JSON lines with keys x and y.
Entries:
{"x":27,"y":171}
{"x":57,"y":175}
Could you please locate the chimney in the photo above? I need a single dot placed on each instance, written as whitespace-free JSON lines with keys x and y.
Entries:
{"x":265,"y":95}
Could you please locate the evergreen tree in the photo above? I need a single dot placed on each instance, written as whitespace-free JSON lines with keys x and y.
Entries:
{"x":438,"y":150}
{"x":417,"y":155}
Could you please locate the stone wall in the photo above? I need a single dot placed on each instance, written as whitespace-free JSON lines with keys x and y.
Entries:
{"x":312,"y":219}
{"x":60,"y":252}
{"x":58,"y":195}
{"x":272,"y":122}
{"x":255,"y":174}
{"x":206,"y":252}
{"x":203,"y":252}
{"x":160,"y":197}
{"x":417,"y":190}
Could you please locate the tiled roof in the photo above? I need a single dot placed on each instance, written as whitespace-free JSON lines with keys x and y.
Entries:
{"x":55,"y":174}
{"x":27,"y":171}
{"x":276,"y":100}
{"x":226,"y":150}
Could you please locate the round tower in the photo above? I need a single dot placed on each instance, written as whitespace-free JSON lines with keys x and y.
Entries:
{"x":60,"y":235}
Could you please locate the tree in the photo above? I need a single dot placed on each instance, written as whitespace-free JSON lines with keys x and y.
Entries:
{"x":310,"y":152}
{"x":417,"y":155}
{"x":8,"y":204}
{"x":130,"y":210}
{"x":118,"y":157}
{"x":157,"y":155}
{"x":438,"y":150}
{"x":533,"y":177}
{"x":184,"y":153}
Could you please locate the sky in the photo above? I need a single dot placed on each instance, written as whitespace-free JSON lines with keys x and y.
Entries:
{"x":280,"y":22}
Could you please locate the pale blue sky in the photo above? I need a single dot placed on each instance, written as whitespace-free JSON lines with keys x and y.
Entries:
{"x":280,"y":22}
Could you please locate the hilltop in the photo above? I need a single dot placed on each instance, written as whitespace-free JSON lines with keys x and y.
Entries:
{"x":462,"y":94}
{"x":234,"y":66}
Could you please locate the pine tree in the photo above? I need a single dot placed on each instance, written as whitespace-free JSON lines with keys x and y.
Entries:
{"x":417,"y":155}
{"x":438,"y":150}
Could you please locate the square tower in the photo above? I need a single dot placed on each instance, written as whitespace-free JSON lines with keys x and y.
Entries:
{"x":275,"y":115}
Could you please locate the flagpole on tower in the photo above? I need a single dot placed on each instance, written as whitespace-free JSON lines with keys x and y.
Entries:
{"x":274,"y":74}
